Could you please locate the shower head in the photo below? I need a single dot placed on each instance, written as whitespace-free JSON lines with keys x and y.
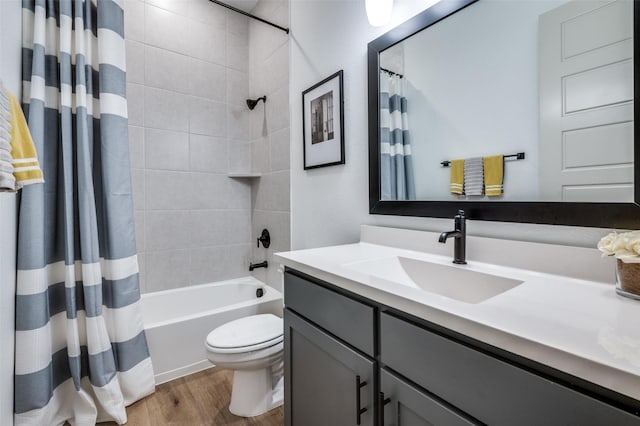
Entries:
{"x":251,"y":103}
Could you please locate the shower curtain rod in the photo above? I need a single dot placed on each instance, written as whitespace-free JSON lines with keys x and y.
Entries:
{"x":235,"y":9}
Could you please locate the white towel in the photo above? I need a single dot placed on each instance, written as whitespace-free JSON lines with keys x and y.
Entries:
{"x":473,"y":176}
{"x":7,"y":179}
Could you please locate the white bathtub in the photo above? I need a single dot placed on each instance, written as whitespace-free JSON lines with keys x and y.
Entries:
{"x":178,"y":321}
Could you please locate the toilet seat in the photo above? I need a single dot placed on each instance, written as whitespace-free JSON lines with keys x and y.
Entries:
{"x":246,"y":334}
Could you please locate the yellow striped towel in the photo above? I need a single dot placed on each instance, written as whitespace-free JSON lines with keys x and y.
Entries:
{"x":457,"y":177}
{"x":26,"y":168}
{"x":493,"y":175}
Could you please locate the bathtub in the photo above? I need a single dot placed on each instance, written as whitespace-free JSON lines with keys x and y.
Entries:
{"x":177,"y":321}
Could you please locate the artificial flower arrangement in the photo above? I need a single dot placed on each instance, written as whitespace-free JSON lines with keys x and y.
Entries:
{"x":624,"y":246}
{"x":626,"y":249}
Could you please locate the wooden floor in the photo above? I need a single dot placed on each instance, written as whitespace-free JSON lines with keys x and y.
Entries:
{"x":199,"y":399}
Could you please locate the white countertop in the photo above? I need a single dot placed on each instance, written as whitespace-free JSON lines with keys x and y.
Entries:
{"x":581,"y":327}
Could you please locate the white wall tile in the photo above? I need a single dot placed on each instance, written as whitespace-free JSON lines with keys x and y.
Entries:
{"x":137,"y":187}
{"x":135,"y":104}
{"x":176,"y":6}
{"x":279,"y":150}
{"x":166,"y":110}
{"x":166,"y":29}
{"x":134,"y":20}
{"x":237,"y":87}
{"x":136,"y":146}
{"x":167,"y":190}
{"x":208,"y":264}
{"x":209,"y":13}
{"x":209,"y":191}
{"x":207,"y":80}
{"x":135,"y":61}
{"x":240,"y":194}
{"x":167,"y":70}
{"x":166,"y":230}
{"x":280,"y":194}
{"x":278,"y":110}
{"x":207,"y":228}
{"x":238,"y":226}
{"x":207,"y":118}
{"x":237,"y":24}
{"x":237,"y":260}
{"x":139,"y":224}
{"x":239,"y":157}
{"x":207,"y":154}
{"x":260,"y":155}
{"x":166,"y":150}
{"x":205,"y":42}
{"x":167,"y":269}
{"x":237,"y":52}
{"x":238,"y":122}
{"x":276,"y":69}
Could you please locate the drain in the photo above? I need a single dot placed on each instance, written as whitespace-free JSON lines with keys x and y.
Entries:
{"x":259,"y":292}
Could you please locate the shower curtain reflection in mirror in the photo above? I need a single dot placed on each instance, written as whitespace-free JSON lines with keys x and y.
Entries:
{"x":396,"y":162}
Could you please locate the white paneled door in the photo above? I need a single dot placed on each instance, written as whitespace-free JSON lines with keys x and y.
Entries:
{"x":586,"y":102}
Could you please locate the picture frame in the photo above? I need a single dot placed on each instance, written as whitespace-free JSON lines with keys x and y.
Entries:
{"x":323,"y":123}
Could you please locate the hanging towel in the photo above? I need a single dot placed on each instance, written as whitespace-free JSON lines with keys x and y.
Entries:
{"x":457,"y":177}
{"x":493,"y":175}
{"x":26,"y":168}
{"x":473,"y":176}
{"x":7,"y":180}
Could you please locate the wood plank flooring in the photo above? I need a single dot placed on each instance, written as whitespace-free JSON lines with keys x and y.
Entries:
{"x":196,"y":400}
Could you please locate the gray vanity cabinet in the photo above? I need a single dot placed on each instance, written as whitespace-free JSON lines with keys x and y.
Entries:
{"x":341,"y":350}
{"x":328,"y":383}
{"x":330,"y":373}
{"x":402,"y":404}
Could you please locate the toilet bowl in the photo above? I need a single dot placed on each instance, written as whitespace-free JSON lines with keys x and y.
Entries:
{"x":253,"y":348}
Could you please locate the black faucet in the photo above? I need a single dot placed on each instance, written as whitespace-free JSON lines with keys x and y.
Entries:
{"x":460,"y":235}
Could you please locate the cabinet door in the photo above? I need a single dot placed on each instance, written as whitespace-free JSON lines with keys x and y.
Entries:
{"x":326,"y":382}
{"x":405,"y":405}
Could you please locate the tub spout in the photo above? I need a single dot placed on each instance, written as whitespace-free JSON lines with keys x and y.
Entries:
{"x":253,"y":266}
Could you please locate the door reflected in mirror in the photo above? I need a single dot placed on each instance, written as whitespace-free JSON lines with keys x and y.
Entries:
{"x":550,"y":79}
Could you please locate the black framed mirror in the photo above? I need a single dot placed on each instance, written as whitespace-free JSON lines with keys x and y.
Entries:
{"x":610,"y":212}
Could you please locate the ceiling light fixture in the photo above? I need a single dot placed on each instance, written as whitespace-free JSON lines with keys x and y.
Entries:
{"x":378,"y":12}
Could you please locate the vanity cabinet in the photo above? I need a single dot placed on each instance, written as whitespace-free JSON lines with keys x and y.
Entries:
{"x":420,"y":373}
{"x":327,"y":381}
{"x":403,"y":404}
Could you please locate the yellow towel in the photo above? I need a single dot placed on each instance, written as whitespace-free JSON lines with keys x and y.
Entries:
{"x":26,"y":168}
{"x":493,"y":175}
{"x":457,"y":177}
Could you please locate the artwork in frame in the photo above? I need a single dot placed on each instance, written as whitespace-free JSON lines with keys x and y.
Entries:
{"x":323,"y":123}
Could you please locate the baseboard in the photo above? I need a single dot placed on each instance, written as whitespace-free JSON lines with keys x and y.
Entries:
{"x":167,"y":376}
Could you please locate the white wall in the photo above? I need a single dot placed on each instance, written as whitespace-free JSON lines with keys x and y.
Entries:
{"x":329,"y":204}
{"x":10,"y":75}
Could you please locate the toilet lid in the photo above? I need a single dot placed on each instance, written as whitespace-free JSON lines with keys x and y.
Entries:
{"x":248,"y":331}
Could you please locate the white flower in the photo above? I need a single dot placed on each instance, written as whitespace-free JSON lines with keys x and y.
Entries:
{"x":625,"y":246}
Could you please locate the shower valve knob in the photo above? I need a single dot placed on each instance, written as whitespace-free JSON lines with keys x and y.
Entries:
{"x":264,"y":238}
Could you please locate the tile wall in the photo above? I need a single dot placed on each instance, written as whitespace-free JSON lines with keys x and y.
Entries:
{"x":269,"y":75}
{"x":188,"y":79}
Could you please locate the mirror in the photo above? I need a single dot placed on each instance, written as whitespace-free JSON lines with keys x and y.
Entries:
{"x":536,"y":97}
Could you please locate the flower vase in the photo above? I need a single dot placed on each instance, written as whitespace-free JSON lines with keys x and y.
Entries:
{"x":628,"y":279}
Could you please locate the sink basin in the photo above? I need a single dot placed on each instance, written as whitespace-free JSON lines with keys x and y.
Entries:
{"x":453,"y":282}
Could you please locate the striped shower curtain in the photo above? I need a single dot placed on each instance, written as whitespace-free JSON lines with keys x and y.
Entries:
{"x":81,"y":352}
{"x":397,"y":181}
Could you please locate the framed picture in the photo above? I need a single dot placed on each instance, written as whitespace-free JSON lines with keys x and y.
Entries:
{"x":323,"y":128}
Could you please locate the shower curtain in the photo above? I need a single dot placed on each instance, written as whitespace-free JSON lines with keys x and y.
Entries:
{"x":396,"y":163}
{"x":81,"y":351}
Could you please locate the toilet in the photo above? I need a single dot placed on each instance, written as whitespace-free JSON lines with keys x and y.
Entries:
{"x":253,"y":348}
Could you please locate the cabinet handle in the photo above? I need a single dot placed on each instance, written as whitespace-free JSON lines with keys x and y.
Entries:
{"x":381,"y":403}
{"x":359,"y":411}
